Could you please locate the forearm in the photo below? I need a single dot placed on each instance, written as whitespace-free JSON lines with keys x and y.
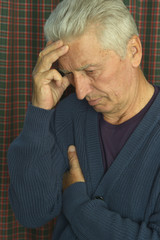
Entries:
{"x":91,"y":219}
{"x":36,"y":168}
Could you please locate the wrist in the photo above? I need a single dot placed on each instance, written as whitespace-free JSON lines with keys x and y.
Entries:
{"x":45,"y":106}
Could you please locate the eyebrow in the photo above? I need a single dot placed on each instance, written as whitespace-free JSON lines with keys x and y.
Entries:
{"x":79,"y":69}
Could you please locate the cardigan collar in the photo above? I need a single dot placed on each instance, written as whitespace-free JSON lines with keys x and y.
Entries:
{"x":95,"y":163}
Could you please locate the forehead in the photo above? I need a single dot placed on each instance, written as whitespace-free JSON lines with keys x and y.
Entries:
{"x":84,"y":50}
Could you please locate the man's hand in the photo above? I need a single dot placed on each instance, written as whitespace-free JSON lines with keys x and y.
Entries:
{"x":48,"y":84}
{"x":75,"y":173}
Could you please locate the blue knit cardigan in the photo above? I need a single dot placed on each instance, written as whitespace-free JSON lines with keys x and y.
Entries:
{"x":123,"y":204}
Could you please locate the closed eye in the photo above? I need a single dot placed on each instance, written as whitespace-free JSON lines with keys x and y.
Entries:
{"x":90,"y":72}
{"x":63,"y":73}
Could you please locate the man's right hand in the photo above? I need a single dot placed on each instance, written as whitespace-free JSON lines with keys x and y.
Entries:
{"x":48,"y":84}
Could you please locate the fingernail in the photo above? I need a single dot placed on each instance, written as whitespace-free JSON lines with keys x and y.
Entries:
{"x":65,"y":47}
{"x":48,"y":43}
{"x":59,"y":41}
{"x":71,"y":148}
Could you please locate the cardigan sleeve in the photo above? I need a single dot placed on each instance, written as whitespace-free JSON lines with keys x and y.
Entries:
{"x":91,"y":219}
{"x":36,"y":166}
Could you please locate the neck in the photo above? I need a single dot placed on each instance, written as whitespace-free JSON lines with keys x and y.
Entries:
{"x":142,"y":95}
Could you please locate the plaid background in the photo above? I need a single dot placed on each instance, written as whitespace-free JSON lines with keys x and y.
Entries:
{"x":21,"y":39}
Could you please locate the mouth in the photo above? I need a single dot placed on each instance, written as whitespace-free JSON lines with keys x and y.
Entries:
{"x":94,"y":102}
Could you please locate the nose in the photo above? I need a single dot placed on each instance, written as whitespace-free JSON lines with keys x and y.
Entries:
{"x":82,"y":85}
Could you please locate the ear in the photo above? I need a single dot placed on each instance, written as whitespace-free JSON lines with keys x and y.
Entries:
{"x":134,"y":49}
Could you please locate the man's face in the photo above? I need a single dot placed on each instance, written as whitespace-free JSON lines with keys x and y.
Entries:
{"x":98,"y":75}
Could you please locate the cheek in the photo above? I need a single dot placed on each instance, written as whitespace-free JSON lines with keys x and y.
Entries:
{"x":110,"y":85}
{"x":113,"y":78}
{"x":103,"y":82}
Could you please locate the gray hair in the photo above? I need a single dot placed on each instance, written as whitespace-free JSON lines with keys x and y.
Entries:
{"x":113,"y":22}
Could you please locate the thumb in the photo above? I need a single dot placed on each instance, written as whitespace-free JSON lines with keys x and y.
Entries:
{"x":73,"y":158}
{"x":65,"y":82}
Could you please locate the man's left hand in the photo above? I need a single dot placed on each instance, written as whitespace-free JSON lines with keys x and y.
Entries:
{"x":75,"y":173}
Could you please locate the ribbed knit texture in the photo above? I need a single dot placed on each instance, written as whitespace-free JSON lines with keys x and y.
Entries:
{"x":130,"y":189}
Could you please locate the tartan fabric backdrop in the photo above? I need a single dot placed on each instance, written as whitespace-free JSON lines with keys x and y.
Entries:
{"x":21,"y":39}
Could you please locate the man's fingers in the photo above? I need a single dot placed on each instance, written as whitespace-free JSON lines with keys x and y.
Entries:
{"x":45,"y":61}
{"x":48,"y":76}
{"x":75,"y":173}
{"x":52,"y":74}
{"x":49,"y":43}
{"x":49,"y":55}
{"x":55,"y":76}
{"x":73,"y":158}
{"x":51,"y":46}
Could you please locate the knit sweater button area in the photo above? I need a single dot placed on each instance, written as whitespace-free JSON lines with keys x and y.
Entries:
{"x":99,"y":197}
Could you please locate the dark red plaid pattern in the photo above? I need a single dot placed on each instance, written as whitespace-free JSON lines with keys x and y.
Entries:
{"x":21,"y":39}
{"x":147,"y":16}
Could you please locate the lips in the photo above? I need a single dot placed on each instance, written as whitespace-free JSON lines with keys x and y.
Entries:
{"x":94,"y":102}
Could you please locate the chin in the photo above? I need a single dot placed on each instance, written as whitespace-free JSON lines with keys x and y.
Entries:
{"x":102,"y":109}
{"x":99,"y":108}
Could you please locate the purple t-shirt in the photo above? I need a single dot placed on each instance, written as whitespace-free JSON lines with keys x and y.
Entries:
{"x":114,"y":137}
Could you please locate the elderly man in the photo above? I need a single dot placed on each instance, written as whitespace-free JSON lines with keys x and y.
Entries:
{"x":93,"y":160}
